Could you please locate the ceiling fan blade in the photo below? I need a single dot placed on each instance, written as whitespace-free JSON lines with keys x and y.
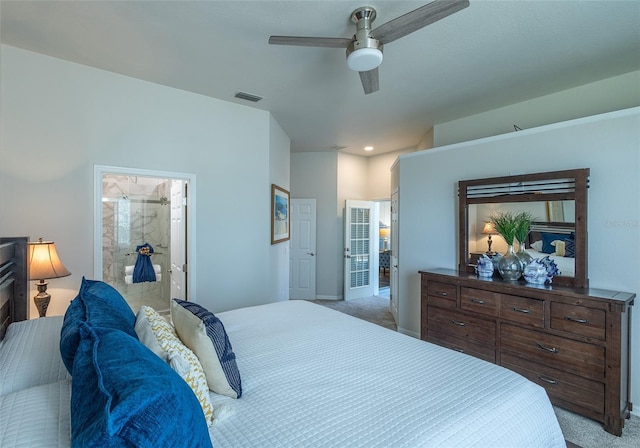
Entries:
{"x":416,"y":19}
{"x":331,"y":42}
{"x":370,"y":81}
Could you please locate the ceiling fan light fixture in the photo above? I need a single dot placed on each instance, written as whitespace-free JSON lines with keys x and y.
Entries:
{"x":364,"y":59}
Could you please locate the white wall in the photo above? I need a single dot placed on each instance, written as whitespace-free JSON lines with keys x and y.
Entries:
{"x":314,"y":176}
{"x":279,"y":168}
{"x":59,"y":119}
{"x":616,"y":93}
{"x":331,"y":178}
{"x":379,"y":174}
{"x":608,"y":144}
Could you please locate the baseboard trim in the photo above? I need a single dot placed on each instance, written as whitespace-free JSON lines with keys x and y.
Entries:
{"x":328,"y":297}
{"x":409,"y":333}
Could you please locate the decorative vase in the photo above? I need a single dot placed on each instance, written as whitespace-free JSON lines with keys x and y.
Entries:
{"x":510,"y":266}
{"x":536,"y":273}
{"x":523,"y":255}
{"x":484,"y":267}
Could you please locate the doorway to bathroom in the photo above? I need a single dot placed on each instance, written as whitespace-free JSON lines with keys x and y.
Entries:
{"x":142,"y":229}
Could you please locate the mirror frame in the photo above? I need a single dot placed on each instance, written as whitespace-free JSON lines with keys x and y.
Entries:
{"x":568,"y":185}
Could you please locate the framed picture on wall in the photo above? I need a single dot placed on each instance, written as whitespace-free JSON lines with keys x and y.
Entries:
{"x":280,"y":221}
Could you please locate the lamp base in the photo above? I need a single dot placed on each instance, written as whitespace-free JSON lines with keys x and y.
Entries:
{"x":42,"y":299}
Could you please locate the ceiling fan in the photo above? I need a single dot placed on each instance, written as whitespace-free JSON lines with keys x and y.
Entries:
{"x":364,"y":49}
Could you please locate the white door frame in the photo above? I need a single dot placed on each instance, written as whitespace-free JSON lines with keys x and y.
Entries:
{"x":393,"y":265}
{"x":370,"y":288}
{"x":99,"y":171}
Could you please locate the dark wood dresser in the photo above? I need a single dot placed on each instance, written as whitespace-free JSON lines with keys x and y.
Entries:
{"x":573,"y":342}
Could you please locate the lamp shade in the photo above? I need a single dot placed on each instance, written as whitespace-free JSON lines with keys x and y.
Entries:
{"x":384,"y":232}
{"x":489,"y":228}
{"x":44,"y":261}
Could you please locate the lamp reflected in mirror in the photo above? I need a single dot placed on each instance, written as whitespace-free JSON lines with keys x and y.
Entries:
{"x":44,"y":264}
{"x":489,"y":229}
{"x":384,"y":236}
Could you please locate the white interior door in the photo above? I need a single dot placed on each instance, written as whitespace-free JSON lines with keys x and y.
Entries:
{"x":393,"y":270}
{"x":178,"y":240}
{"x":302,"y":246}
{"x":360,"y":249}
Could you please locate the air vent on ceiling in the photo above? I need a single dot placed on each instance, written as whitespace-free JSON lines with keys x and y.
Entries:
{"x":248,"y":96}
{"x":337,"y":147}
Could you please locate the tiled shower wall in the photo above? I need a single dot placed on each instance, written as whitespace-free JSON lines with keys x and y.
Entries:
{"x":136,"y":210}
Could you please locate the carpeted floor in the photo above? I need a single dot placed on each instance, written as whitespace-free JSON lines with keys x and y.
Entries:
{"x":578,"y":430}
{"x":373,"y":309}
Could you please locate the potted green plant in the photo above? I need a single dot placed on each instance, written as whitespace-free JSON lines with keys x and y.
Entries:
{"x":506,"y":224}
{"x":523,"y":225}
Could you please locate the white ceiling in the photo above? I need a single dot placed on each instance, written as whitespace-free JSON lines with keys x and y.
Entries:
{"x":491,"y":54}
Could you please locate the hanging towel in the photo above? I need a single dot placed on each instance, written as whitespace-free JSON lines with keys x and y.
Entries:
{"x":143,"y":270}
{"x":128,"y":279}
{"x":128,"y":270}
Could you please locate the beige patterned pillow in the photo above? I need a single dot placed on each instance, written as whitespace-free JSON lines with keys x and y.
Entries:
{"x":193,"y":374}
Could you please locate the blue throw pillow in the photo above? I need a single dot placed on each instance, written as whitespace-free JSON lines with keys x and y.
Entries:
{"x":99,"y":304}
{"x":123,"y":395}
{"x":570,"y":248}
{"x":548,"y":238}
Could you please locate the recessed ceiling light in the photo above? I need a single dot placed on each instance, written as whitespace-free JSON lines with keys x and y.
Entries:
{"x":368,"y":148}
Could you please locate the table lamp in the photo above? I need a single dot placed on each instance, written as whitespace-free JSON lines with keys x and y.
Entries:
{"x":384,"y":234}
{"x":44,"y":263}
{"x":489,"y":229}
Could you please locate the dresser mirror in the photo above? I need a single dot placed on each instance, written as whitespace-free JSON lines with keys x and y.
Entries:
{"x":556,"y":200}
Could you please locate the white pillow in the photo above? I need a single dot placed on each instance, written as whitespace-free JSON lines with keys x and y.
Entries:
{"x":147,"y":336}
{"x":537,"y":245}
{"x":560,"y":247}
{"x":204,"y":333}
{"x":194,"y":376}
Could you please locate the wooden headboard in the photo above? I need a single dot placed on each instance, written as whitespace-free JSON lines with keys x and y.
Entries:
{"x":14,"y":305}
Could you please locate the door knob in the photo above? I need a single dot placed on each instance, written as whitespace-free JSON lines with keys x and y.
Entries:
{"x":311,"y":253}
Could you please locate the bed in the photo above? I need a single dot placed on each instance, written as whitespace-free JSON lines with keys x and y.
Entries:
{"x":555,"y":240}
{"x":311,"y":377}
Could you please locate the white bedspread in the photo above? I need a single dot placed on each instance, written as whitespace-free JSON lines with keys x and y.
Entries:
{"x":314,"y":377}
{"x":38,"y":416}
{"x":30,"y":354}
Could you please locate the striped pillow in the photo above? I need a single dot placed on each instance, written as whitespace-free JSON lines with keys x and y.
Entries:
{"x":204,"y":333}
{"x":177,"y":352}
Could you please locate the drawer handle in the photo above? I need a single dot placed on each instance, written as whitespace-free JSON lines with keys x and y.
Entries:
{"x":478,"y":301}
{"x":442,"y":293}
{"x":546,"y":380}
{"x":521,"y":310}
{"x":549,"y":349}
{"x":458,"y":323}
{"x":579,"y":321}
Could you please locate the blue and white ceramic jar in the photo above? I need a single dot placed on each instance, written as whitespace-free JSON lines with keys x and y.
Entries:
{"x":484,"y":266}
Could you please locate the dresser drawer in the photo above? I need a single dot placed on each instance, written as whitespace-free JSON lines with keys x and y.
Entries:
{"x":459,"y":325}
{"x":479,"y":301}
{"x":564,"y":388}
{"x":579,"y":358}
{"x":442,"y":294}
{"x":522,"y":310}
{"x":462,"y":345}
{"x":579,"y":320}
